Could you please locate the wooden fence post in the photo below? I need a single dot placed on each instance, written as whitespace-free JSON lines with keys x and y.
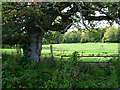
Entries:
{"x":18,"y":49}
{"x":51,"y":50}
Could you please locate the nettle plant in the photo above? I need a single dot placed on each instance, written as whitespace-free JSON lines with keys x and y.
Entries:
{"x":67,"y":75}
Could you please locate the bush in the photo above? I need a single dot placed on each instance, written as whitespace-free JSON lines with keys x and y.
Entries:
{"x":6,"y":46}
{"x":69,"y":75}
{"x":116,"y":63}
{"x":19,"y":72}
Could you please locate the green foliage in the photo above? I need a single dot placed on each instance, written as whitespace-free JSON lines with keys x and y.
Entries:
{"x":6,"y":46}
{"x":53,"y":37}
{"x":83,"y":36}
{"x":92,"y":39}
{"x":66,"y":75}
{"x":112,"y":34}
{"x":19,"y":19}
{"x":103,"y":40}
{"x":19,"y":72}
{"x":114,"y":78}
{"x":107,"y":34}
{"x":116,"y":63}
{"x":69,"y":76}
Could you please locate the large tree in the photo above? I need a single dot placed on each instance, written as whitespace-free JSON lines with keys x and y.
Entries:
{"x":25,"y":23}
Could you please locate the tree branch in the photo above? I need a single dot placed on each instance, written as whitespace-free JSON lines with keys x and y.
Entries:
{"x":98,"y":18}
{"x":97,"y":9}
{"x":81,"y":18}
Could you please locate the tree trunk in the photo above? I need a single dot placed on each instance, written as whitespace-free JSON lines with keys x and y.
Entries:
{"x":33,"y":49}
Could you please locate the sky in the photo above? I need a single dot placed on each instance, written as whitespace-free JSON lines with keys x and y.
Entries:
{"x":101,"y":24}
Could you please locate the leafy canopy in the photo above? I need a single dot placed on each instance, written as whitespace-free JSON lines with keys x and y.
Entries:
{"x":19,"y":18}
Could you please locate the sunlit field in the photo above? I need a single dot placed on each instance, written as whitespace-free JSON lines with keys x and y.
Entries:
{"x":84,"y":49}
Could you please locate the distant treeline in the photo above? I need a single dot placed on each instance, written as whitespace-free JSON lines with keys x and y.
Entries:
{"x":107,"y":34}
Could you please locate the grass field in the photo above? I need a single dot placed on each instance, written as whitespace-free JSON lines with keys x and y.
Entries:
{"x":20,"y":72}
{"x":84,"y":49}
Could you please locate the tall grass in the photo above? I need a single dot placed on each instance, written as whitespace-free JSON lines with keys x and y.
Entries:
{"x":20,"y":72}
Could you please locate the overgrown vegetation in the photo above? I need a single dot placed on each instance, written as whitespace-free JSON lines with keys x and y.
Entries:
{"x":19,"y":72}
{"x":74,"y":75}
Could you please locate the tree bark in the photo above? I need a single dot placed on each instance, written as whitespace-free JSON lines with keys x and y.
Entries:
{"x":32,"y":50}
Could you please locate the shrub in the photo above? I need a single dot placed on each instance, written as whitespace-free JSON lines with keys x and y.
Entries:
{"x":19,"y":72}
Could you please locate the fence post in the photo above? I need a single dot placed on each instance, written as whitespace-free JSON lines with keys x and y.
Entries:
{"x":17,"y":47}
{"x":61,"y":57}
{"x":51,"y":50}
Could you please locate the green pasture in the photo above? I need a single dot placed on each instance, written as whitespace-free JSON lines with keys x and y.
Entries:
{"x":84,"y":49}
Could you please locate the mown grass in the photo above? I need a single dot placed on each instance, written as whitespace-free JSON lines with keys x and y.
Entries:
{"x":85,"y":49}
{"x":94,"y":48}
